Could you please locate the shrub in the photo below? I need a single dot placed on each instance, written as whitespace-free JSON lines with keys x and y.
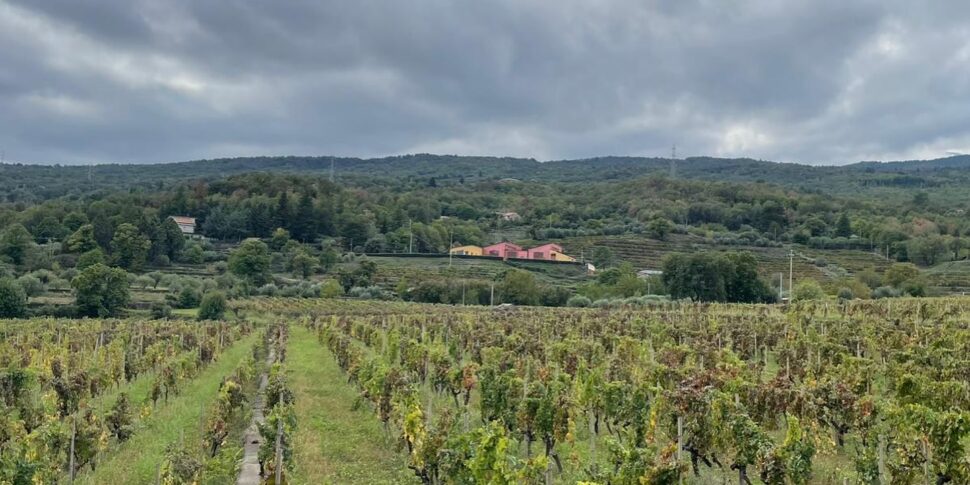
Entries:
{"x":914,"y":288}
{"x":578,"y":301}
{"x":31,"y":285}
{"x":188,"y":298}
{"x":269,"y":289}
{"x":370,"y":292}
{"x":885,"y":292}
{"x":213,"y":306}
{"x":331,"y":289}
{"x":846,"y":294}
{"x":807,"y":290}
{"x":160,"y":311}
{"x":144,"y":282}
{"x":13,"y":299}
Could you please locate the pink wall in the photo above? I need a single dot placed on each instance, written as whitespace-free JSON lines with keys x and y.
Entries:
{"x":504,"y":250}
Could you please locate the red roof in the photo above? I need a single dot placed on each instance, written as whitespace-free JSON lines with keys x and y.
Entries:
{"x":505,"y":244}
{"x":183,"y":219}
{"x":548,"y":245}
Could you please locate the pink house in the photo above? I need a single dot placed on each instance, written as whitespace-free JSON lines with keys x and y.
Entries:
{"x":505,"y":250}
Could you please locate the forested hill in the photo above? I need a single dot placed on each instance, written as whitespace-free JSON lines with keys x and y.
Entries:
{"x":40,"y":182}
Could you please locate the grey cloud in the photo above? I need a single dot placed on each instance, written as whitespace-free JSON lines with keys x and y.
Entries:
{"x":824,"y":81}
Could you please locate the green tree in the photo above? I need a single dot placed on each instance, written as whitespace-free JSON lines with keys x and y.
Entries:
{"x":49,"y":228}
{"x":16,"y":243}
{"x":900,"y":273}
{"x":251,"y":260}
{"x":715,"y":277}
{"x":601,"y":256}
{"x":13,"y":299}
{"x":91,"y":258}
{"x":328,"y":258}
{"x":129,"y":247}
{"x":194,"y":254}
{"x":660,"y":227}
{"x":519,"y":287}
{"x":843,"y":227}
{"x":807,"y":290}
{"x":302,"y":264}
{"x":304,"y":224}
{"x":213,"y":306}
{"x":279,"y":239}
{"x":169,"y":240}
{"x":82,"y":240}
{"x":927,"y":250}
{"x":101,"y":291}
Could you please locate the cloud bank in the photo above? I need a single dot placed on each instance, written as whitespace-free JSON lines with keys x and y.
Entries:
{"x":821,"y":81}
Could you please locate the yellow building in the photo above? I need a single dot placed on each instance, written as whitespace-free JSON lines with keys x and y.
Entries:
{"x":467,"y":251}
{"x":563,"y":257}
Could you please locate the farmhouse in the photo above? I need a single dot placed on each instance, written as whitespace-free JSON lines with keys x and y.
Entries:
{"x":509,"y":216}
{"x":551,"y":252}
{"x":186,"y":224}
{"x":466,"y":251}
{"x":505,"y":250}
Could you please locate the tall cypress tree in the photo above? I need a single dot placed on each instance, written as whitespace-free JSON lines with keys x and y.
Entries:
{"x":283,"y":215}
{"x":304,"y":227}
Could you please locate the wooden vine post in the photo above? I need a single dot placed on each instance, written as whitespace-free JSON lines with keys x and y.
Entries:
{"x":279,"y":450}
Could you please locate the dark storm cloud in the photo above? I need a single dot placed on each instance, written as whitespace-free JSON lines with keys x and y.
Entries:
{"x":824,"y":81}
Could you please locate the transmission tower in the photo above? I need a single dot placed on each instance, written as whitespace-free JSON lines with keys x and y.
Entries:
{"x":673,"y":161}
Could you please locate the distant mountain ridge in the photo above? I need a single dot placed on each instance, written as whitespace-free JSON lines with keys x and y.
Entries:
{"x":56,"y":180}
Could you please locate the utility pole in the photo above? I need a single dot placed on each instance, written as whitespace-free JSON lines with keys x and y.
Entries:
{"x":781,"y":286}
{"x":410,"y":238}
{"x":331,"y":169}
{"x":791,"y":271}
{"x":491,"y":301}
{"x":451,"y":243}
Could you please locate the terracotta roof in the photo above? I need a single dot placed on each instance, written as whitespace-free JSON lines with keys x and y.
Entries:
{"x":183,"y":219}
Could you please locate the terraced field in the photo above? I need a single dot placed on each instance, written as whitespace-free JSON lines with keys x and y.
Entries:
{"x":646,"y":253}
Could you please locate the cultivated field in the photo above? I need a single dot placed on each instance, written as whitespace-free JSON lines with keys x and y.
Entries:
{"x":340,"y":391}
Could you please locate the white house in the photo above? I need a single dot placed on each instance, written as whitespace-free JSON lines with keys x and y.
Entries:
{"x":186,"y":224}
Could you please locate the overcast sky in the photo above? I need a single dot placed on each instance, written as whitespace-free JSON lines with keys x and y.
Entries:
{"x":813,"y":81}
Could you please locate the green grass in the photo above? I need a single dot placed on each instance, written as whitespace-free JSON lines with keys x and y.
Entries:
{"x":335,"y":444}
{"x":186,"y":312}
{"x":135,"y":461}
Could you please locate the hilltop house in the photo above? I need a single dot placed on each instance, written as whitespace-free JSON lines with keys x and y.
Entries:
{"x":186,"y":224}
{"x":509,"y":216}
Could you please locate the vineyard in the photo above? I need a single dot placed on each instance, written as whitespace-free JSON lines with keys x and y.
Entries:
{"x":862,"y":392}
{"x":343,"y":391}
{"x":101,"y":401}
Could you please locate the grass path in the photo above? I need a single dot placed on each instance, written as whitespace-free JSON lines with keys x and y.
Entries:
{"x":136,"y":459}
{"x":333,"y":443}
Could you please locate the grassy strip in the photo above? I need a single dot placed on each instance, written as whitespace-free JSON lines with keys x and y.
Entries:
{"x":136,"y":459}
{"x":334,"y":443}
